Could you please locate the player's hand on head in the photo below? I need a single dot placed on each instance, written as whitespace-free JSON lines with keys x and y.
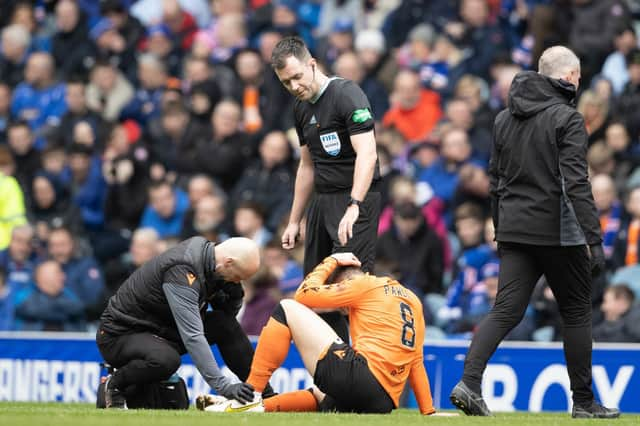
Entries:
{"x":346,"y":259}
{"x":345,"y":228}
{"x":290,"y":235}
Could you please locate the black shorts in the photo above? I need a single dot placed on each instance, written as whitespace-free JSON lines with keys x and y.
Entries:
{"x":344,"y":375}
{"x":323,"y":218}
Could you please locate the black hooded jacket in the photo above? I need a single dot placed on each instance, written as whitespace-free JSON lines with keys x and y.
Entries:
{"x":540,"y":190}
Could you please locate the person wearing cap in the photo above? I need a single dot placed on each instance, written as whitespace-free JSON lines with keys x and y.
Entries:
{"x":112,"y":45}
{"x":338,"y":170}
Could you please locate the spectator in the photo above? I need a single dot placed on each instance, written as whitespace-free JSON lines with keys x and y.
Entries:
{"x":459,"y":113}
{"x":12,"y":210}
{"x":473,"y":187}
{"x":257,"y":91}
{"x":228,"y":145}
{"x":248,"y":222}
{"x":287,"y":271}
{"x":70,"y":46}
{"x":621,"y":319}
{"x":125,"y":168}
{"x":615,"y":66}
{"x":108,"y":91}
{"x":160,"y":43}
{"x":370,"y":46}
{"x":415,"y":249}
{"x":14,"y":51}
{"x":5,"y":110}
{"x":198,"y":187}
{"x":39,"y":100}
{"x":19,"y":259}
{"x":268,"y":180}
{"x":443,"y":175}
{"x":608,"y":16}
{"x":48,"y":305}
{"x":27,"y":158}
{"x":175,"y":142}
{"x":231,"y":37}
{"x":112,"y":47}
{"x":83,"y":276}
{"x":77,"y":111}
{"x":349,"y":66}
{"x":145,"y":104}
{"x":475,"y":92}
{"x":55,"y":162}
{"x":414,"y":111}
{"x":478,"y":35}
{"x":165,"y":210}
{"x":433,"y":70}
{"x":260,"y":298}
{"x":51,"y":208}
{"x":627,"y":246}
{"x":335,"y":42}
{"x":7,"y":309}
{"x":595,"y":111}
{"x":128,"y":27}
{"x":202,"y":99}
{"x":144,"y":247}
{"x":88,"y":188}
{"x":610,"y":211}
{"x":209,"y":217}
{"x":629,"y":100}
{"x":180,"y":22}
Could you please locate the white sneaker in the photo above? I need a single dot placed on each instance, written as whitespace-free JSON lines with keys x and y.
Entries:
{"x":234,"y":406}
{"x":205,"y":400}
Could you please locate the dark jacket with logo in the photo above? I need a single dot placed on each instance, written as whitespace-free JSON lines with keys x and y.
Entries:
{"x":140,"y":304}
{"x":540,"y":190}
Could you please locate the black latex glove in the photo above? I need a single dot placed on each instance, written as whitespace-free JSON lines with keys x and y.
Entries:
{"x":597,"y":259}
{"x":228,"y":298}
{"x":242,"y":392}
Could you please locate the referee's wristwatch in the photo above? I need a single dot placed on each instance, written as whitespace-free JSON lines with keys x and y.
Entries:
{"x":353,"y":201}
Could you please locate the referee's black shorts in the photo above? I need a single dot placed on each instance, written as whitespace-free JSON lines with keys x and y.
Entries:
{"x":345,"y":377}
{"x":323,"y":218}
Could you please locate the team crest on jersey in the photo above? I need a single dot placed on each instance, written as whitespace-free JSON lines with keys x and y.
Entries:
{"x":331,"y":143}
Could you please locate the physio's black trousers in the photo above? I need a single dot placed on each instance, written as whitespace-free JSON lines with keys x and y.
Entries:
{"x":144,"y":357}
{"x":567,"y":271}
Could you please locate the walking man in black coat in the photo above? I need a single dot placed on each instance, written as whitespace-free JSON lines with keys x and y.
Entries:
{"x":546,"y":223}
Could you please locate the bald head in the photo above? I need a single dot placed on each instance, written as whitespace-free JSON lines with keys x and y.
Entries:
{"x":237,"y":259}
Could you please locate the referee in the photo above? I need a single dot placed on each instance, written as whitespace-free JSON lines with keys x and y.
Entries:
{"x":546,"y":223}
{"x":338,"y":164}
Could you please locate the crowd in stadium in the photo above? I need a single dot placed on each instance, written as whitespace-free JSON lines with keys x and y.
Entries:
{"x":127,"y":126}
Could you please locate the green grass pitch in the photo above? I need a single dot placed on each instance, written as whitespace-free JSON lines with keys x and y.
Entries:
{"x":54,"y":414}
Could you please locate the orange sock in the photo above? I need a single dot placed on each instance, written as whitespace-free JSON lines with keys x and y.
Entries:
{"x":272,"y":349}
{"x":302,"y":400}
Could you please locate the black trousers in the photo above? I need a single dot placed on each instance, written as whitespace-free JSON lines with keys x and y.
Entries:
{"x":567,"y":270}
{"x":144,"y":357}
{"x":321,"y":238}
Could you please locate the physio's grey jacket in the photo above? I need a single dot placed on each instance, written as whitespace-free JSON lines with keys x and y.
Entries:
{"x":167,"y":296}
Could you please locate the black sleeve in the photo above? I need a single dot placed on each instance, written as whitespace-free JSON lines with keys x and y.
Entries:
{"x":573,"y":162}
{"x":494,"y":176}
{"x":297,"y":120}
{"x":353,"y":106}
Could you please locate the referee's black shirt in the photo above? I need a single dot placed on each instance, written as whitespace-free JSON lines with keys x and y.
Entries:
{"x":325,"y":126}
